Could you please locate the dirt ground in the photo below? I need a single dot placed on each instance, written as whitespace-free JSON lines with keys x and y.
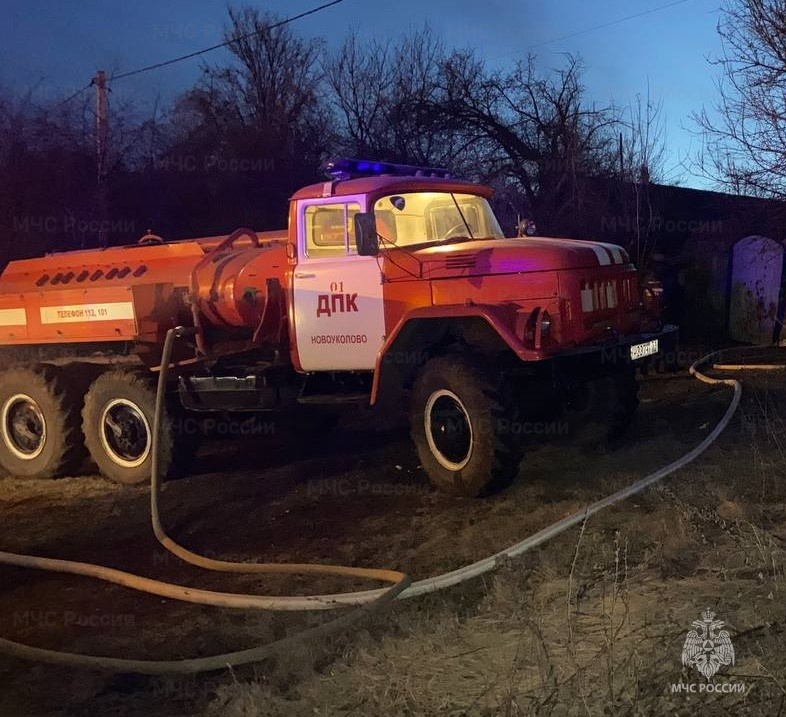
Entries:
{"x":591,"y":623}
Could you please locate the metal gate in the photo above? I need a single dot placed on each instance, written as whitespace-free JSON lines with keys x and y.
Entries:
{"x":755,"y":311}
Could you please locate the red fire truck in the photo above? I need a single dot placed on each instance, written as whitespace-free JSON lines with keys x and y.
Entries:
{"x":390,"y":280}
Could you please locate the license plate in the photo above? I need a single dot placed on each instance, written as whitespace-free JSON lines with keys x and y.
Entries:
{"x":638,"y":351}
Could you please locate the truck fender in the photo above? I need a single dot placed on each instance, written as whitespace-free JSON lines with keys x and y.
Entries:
{"x":404,"y":344}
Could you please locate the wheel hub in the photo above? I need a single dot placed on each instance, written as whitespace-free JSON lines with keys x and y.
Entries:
{"x":23,"y":427}
{"x":448,"y":430}
{"x":125,"y":433}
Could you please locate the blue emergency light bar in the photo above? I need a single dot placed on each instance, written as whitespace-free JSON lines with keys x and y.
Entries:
{"x":341,"y":169}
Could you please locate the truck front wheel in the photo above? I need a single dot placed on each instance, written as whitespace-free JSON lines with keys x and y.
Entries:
{"x":39,"y":423}
{"x":462,"y":426}
{"x":117,"y":422}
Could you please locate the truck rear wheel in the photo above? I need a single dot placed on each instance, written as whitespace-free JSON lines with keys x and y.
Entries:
{"x":117,"y":422}
{"x":40,"y":436}
{"x":462,"y":426}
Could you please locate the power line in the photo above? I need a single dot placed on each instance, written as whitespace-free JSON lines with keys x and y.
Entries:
{"x":286,"y":21}
{"x":613,"y":22}
{"x":71,"y":97}
{"x":604,"y":25}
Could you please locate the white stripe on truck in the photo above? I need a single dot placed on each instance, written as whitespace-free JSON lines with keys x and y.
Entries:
{"x":13,"y":317}
{"x":601,"y":253}
{"x":616,"y":252}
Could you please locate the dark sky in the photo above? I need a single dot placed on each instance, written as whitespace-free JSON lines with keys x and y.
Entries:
{"x":56,"y":45}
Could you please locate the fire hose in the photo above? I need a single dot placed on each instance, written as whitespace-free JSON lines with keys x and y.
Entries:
{"x":364,"y":602}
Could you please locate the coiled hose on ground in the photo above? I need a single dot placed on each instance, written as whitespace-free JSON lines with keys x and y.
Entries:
{"x":365,"y":602}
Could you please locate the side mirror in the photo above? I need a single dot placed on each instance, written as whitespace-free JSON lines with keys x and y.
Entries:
{"x":366,"y":237}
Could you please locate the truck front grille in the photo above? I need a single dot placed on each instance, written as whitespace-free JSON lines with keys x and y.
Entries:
{"x":599,"y":294}
{"x":608,"y":293}
{"x":460,"y":261}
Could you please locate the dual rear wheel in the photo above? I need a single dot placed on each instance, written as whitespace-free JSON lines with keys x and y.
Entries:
{"x":40,"y":425}
{"x":117,"y":423}
{"x":48,"y":425}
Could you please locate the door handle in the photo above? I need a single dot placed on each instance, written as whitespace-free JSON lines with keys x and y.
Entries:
{"x":304,"y":275}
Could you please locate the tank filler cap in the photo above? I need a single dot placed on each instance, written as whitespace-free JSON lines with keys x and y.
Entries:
{"x":150,"y":238}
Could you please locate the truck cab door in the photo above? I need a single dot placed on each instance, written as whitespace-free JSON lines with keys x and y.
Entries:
{"x":338,"y":304}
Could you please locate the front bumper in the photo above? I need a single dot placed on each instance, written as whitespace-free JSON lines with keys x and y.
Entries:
{"x":620,"y":351}
{"x":618,"y":347}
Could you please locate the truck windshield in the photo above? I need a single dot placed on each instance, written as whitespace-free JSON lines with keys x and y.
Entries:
{"x":426,"y":217}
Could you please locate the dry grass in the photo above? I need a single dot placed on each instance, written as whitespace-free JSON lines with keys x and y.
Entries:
{"x":592,"y":624}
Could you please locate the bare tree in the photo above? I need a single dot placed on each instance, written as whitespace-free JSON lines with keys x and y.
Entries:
{"x":535,"y":129}
{"x":47,"y":174}
{"x":531,"y":134}
{"x":267,"y":102}
{"x":643,"y":140}
{"x":359,"y":78}
{"x":745,"y":137}
{"x":642,"y":150}
{"x":384,"y":95}
{"x":250,"y":130}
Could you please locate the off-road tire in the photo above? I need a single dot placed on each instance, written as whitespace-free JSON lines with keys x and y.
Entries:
{"x":607,"y":411}
{"x":133,"y":394}
{"x":40,"y":401}
{"x":464,"y":390}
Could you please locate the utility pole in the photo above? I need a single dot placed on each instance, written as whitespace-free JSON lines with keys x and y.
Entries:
{"x":102,"y":122}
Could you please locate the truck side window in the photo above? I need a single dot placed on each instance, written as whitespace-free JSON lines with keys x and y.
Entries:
{"x":330,"y":229}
